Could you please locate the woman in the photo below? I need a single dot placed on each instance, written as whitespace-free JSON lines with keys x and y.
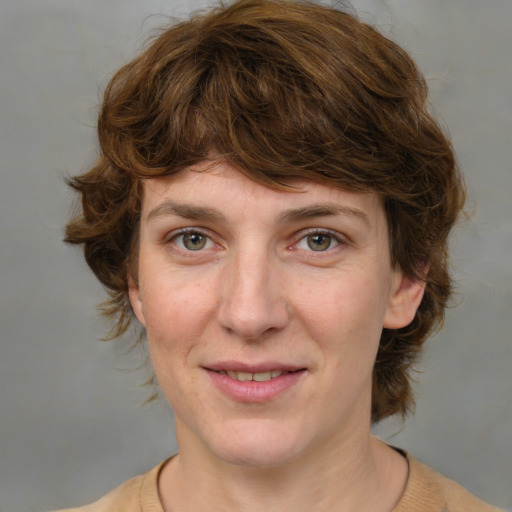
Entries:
{"x":272,"y":205}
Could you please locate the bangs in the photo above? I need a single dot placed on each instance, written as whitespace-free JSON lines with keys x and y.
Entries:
{"x":272,"y":99}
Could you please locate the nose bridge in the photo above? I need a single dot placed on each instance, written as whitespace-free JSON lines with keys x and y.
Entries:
{"x":253,"y":302}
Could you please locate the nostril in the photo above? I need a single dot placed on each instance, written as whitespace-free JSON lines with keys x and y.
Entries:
{"x":252,"y":304}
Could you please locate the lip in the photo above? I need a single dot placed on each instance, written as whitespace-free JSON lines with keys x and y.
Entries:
{"x":252,"y":391}
{"x":239,"y":366}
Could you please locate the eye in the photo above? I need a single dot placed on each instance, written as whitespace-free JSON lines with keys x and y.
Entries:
{"x":318,"y":242}
{"x":192,"y":241}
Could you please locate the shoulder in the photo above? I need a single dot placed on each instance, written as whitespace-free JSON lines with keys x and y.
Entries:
{"x":427,"y":490}
{"x":139,"y":494}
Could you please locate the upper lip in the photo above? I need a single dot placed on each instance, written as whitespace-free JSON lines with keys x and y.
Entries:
{"x":239,"y":366}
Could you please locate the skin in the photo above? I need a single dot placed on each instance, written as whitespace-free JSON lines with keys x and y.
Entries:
{"x":282,"y":278}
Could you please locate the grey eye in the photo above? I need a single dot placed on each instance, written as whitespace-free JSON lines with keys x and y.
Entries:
{"x":319,"y":242}
{"x":192,"y":241}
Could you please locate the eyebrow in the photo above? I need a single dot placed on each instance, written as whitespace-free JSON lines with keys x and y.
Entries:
{"x":201,"y":213}
{"x":321,"y":210}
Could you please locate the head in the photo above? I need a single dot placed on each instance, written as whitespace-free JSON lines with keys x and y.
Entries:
{"x":282,"y":92}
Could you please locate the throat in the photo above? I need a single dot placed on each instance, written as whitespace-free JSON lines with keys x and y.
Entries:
{"x":203,"y":482}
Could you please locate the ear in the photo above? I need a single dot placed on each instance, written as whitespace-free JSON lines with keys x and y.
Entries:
{"x":406,"y":295}
{"x":136,"y":300}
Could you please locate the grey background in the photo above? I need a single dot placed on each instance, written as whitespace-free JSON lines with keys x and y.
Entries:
{"x":71,"y":423}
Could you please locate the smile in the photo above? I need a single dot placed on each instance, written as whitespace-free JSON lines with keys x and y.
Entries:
{"x":257,"y":377}
{"x":257,"y":386}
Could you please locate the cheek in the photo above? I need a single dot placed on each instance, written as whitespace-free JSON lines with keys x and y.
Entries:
{"x":171,"y":302}
{"x":176,"y":313}
{"x":343,"y":307}
{"x":175,"y":322}
{"x":346,"y":323}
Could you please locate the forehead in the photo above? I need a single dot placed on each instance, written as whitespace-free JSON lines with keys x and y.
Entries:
{"x":221,"y":191}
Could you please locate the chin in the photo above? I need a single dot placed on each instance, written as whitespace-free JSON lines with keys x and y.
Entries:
{"x":256,"y":457}
{"x":257,"y":446}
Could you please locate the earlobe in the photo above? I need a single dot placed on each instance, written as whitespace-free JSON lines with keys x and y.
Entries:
{"x":405,"y":299}
{"x":135,"y":300}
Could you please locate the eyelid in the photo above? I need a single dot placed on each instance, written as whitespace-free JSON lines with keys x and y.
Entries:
{"x":173,"y":235}
{"x":341,"y":239}
{"x":323,"y":231}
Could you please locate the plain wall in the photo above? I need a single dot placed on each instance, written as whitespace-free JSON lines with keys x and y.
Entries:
{"x":71,"y":424}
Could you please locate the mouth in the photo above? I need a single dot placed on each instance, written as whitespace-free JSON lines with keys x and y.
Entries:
{"x":254,"y":383}
{"x":256,"y":377}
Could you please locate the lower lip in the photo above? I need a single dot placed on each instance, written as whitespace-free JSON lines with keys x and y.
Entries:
{"x":252,"y":391}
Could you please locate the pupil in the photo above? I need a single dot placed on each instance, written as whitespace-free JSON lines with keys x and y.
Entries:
{"x":194,"y":241}
{"x":319,"y":242}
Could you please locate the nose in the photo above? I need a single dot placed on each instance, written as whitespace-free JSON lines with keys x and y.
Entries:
{"x":253,"y":301}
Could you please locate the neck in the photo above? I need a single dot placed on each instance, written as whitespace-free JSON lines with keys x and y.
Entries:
{"x":359,"y":474}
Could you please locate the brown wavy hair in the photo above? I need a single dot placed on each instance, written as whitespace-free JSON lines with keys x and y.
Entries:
{"x":281,"y":90}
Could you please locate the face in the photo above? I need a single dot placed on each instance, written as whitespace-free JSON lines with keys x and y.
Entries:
{"x":263,"y":311}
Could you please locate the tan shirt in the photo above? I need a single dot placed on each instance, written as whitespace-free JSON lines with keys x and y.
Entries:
{"x":426,"y":491}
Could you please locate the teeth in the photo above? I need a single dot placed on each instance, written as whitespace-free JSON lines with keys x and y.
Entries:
{"x":246,"y":376}
{"x":261,"y":377}
{"x":243,"y":376}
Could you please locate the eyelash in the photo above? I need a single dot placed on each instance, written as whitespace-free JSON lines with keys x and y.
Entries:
{"x":333,"y":236}
{"x":209,"y":243}
{"x":189,"y":231}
